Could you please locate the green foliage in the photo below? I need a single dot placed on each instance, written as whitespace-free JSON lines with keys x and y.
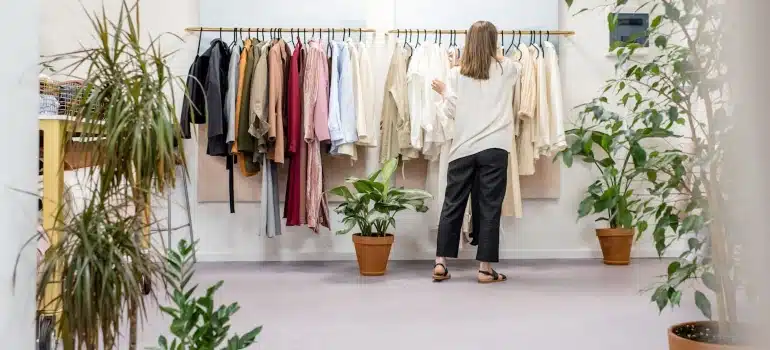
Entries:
{"x":100,"y":266}
{"x":614,"y":145}
{"x":129,"y":99}
{"x":373,"y":204}
{"x":677,"y":94}
{"x":195,"y":323}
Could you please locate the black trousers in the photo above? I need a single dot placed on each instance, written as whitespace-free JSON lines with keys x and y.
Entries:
{"x":483,"y":176}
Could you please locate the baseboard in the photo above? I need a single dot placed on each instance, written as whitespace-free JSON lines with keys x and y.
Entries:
{"x":507,"y":254}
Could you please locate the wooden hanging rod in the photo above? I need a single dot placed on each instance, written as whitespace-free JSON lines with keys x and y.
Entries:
{"x":463,"y":31}
{"x":284,"y":30}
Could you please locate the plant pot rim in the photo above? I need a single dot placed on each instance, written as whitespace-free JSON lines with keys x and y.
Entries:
{"x":386,"y":235}
{"x":614,"y":231}
{"x":708,"y":346}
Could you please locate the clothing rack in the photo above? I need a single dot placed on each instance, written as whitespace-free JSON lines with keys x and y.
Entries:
{"x":280,"y":30}
{"x":464,"y":31}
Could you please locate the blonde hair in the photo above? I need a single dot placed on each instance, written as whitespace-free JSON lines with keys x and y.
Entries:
{"x":480,"y":49}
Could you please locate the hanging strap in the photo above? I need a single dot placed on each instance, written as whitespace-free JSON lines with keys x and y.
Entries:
{"x":231,"y":182}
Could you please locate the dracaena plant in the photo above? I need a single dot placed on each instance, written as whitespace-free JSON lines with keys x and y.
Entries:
{"x":196,"y":324}
{"x":681,"y":81}
{"x":373,"y":203}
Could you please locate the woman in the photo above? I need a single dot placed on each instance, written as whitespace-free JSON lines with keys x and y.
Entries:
{"x":478,"y":96}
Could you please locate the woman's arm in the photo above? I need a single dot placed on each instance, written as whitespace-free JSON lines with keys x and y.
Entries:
{"x":447,"y":91}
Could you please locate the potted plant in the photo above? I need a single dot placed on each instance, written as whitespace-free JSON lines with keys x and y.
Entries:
{"x":195,"y":322}
{"x":682,"y":82}
{"x":613,"y":144}
{"x":372,"y":206}
{"x":97,"y":273}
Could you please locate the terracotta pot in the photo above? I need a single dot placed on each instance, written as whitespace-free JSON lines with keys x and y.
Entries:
{"x":616,"y":245}
{"x":372,"y":254}
{"x":676,"y":342}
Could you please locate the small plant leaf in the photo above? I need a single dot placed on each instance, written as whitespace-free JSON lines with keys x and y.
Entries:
{"x":710,"y":281}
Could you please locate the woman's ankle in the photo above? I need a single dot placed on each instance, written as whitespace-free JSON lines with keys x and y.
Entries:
{"x":440,"y":260}
{"x":485,"y":266}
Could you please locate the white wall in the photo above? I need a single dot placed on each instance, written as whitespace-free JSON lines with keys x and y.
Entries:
{"x":18,"y":140}
{"x":549,"y":228}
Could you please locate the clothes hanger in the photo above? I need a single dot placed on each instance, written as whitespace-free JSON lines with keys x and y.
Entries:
{"x":360,"y":35}
{"x":418,"y":39}
{"x":200,"y":39}
{"x":220,"y":33}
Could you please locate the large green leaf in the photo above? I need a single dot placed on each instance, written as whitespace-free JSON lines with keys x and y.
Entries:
{"x":386,"y":173}
{"x":342,"y":191}
{"x":586,"y":206}
{"x":660,"y":297}
{"x":710,"y":281}
{"x":703,"y":304}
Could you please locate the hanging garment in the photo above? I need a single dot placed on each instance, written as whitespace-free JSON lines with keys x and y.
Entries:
{"x":277,"y":58}
{"x":291,"y":210}
{"x":435,"y":135}
{"x":366,"y":77}
{"x":316,"y":114}
{"x":357,"y":92}
{"x":512,"y":205}
{"x":392,"y":99}
{"x":557,"y":138}
{"x":395,"y":120}
{"x":527,"y":113}
{"x":335,"y":118}
{"x":215,"y":87}
{"x":269,"y":205}
{"x":246,"y":142}
{"x":543,"y":139}
{"x":342,"y":114}
{"x":416,"y":76}
{"x":232,"y":88}
{"x":194,"y":106}
{"x":302,"y":144}
{"x":258,"y":116}
{"x":242,"y":62}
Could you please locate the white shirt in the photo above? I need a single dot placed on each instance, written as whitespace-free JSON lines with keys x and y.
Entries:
{"x":557,"y":139}
{"x":481,"y":109}
{"x":366,"y":75}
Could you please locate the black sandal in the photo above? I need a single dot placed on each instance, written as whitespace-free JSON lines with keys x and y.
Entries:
{"x":496,"y":277}
{"x":441,"y":276}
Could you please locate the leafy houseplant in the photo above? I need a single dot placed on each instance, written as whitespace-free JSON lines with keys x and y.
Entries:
{"x":195,"y":323}
{"x":614,"y":145}
{"x":683,"y":83}
{"x":372,"y":208}
{"x":126,"y":101}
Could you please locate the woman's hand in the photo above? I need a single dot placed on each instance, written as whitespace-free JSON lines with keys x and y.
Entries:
{"x":438,"y":86}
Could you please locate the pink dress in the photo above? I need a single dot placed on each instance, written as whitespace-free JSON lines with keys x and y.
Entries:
{"x":316,"y":130}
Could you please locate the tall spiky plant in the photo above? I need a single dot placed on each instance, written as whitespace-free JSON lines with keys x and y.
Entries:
{"x":128,"y":102}
{"x":99,"y":264}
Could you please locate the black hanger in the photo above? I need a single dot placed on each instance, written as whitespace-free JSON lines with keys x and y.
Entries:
{"x":328,"y":43}
{"x":200,"y":38}
{"x":220,"y":33}
{"x":418,"y":39}
{"x":360,"y":34}
{"x":407,"y":37}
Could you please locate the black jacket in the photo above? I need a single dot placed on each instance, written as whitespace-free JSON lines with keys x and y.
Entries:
{"x":216,"y":89}
{"x":194,"y":105}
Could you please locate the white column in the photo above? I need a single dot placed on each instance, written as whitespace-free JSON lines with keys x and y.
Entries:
{"x":18,"y":156}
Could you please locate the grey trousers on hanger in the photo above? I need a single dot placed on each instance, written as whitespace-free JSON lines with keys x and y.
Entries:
{"x":484,"y":175}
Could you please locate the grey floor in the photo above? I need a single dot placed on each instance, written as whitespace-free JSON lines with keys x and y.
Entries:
{"x":545,"y":305}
